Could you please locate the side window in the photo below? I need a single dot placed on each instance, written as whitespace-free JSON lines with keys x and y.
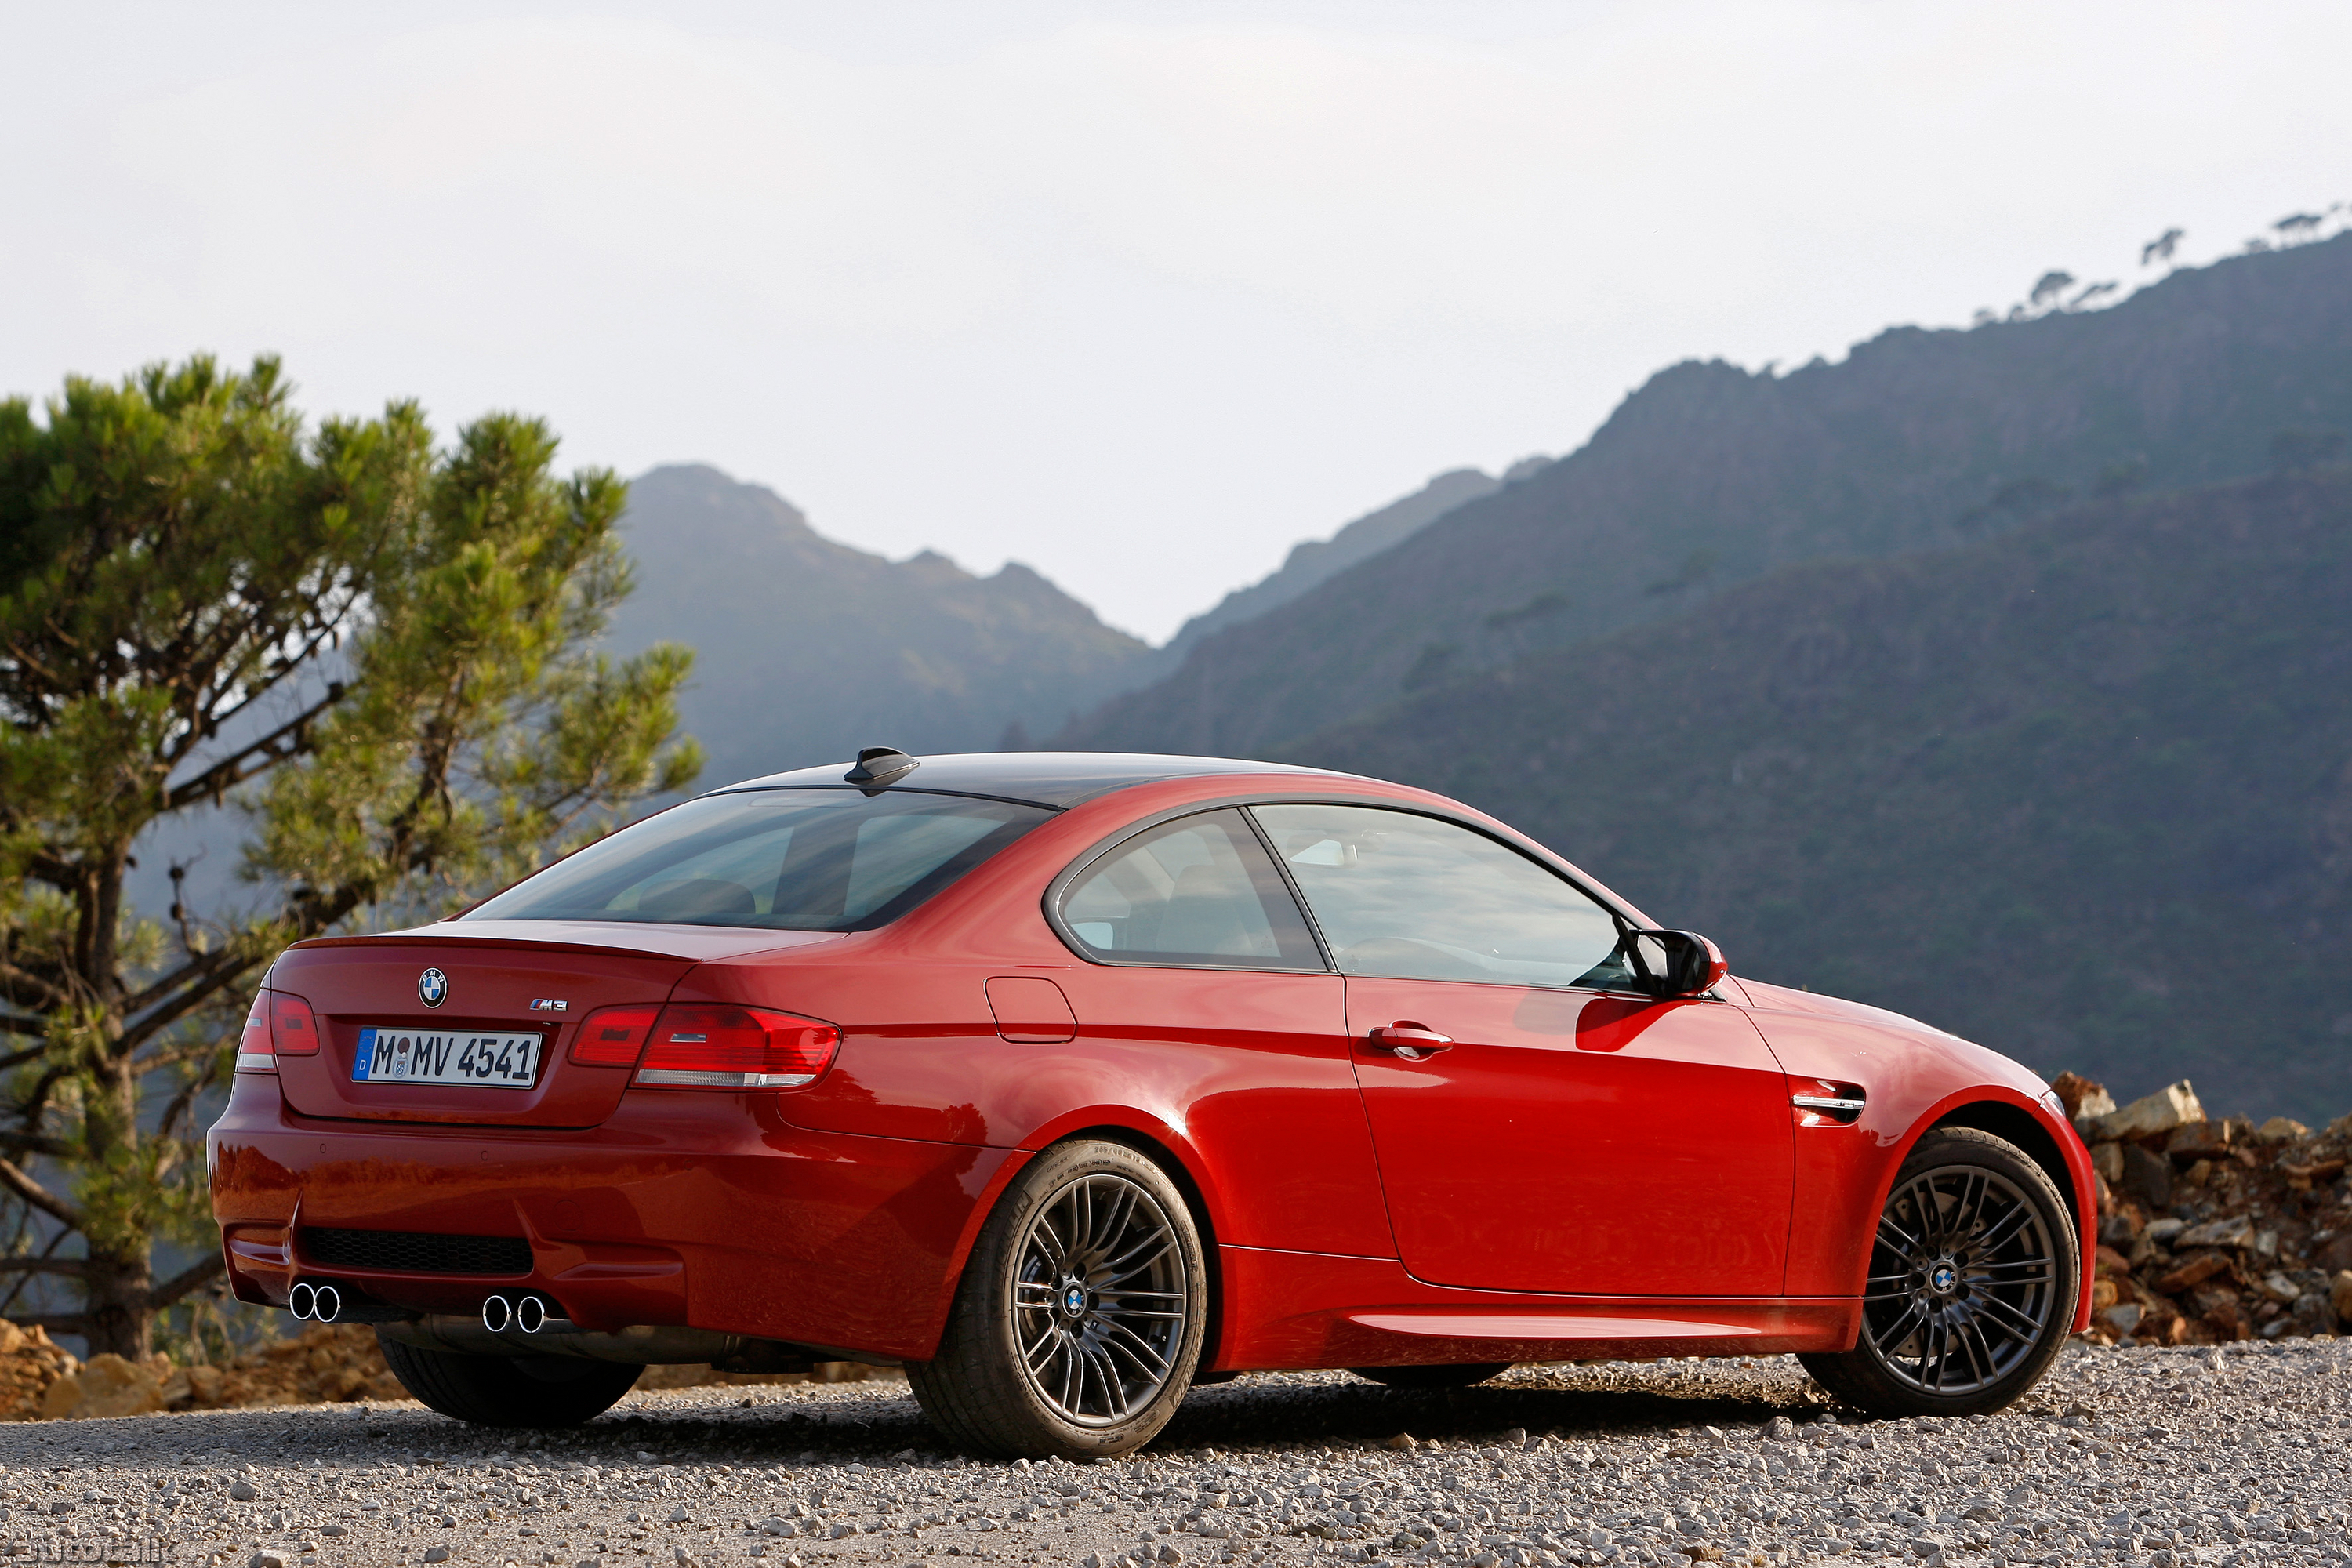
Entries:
{"x":1413,"y":897}
{"x":1198,"y":890}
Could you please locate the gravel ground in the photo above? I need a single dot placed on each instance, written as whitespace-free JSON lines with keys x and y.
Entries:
{"x":2159,"y":1457}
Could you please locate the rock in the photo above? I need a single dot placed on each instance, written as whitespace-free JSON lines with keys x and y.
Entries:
{"x":437,"y":1554}
{"x":2162,"y":1231}
{"x":2278,"y":1287}
{"x":2199,"y":1141}
{"x":2108,"y":1159}
{"x":2081,"y":1096}
{"x":271,"y":1560}
{"x":2193,"y":1273}
{"x":2148,"y":1178}
{"x":2281,"y":1130}
{"x":242,"y":1489}
{"x":2108,"y":1260}
{"x":2174,"y":1105}
{"x":2310,"y":1314}
{"x":2340,"y":1295}
{"x":2122,"y":1317}
{"x":2235,"y":1230}
{"x":1401,"y":1440}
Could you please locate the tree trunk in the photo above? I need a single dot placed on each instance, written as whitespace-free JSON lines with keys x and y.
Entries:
{"x":115,"y":1293}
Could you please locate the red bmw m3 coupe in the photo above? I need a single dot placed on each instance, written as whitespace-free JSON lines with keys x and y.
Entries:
{"x":1069,"y":1081}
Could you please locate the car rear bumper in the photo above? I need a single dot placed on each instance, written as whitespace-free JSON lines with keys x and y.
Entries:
{"x":685,"y":1208}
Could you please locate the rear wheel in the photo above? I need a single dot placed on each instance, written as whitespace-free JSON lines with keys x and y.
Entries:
{"x":1077,"y":1324}
{"x":1973,"y":1277}
{"x":1459,"y":1376}
{"x":509,"y":1391}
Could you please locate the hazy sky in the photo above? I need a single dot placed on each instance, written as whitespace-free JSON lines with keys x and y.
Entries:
{"x":1137,"y":293}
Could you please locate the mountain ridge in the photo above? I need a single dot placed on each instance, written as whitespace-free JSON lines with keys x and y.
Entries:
{"x":808,"y":648}
{"x":1709,"y":476}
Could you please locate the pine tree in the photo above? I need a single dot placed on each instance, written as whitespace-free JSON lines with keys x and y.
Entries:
{"x":379,"y":651}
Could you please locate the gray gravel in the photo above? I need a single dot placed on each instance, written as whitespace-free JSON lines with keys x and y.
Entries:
{"x":2160,"y":1457}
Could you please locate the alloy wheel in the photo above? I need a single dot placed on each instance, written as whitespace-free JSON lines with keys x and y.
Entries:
{"x":1963,"y":1280}
{"x":1099,"y":1299}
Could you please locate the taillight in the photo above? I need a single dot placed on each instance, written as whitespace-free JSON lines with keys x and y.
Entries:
{"x":612,"y":1037}
{"x":293,"y":1030}
{"x":253,"y":1052}
{"x":709,"y":1045}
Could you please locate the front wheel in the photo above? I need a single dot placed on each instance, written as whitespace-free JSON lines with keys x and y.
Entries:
{"x":509,"y":1391}
{"x":1077,"y":1324}
{"x":1973,"y":1277}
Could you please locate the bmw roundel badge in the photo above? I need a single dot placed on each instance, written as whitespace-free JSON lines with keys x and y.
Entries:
{"x":432,"y":988}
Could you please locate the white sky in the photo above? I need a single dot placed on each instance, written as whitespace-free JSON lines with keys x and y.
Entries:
{"x":1137,"y":293}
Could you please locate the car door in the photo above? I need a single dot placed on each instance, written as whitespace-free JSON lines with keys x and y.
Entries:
{"x":1539,"y":1126}
{"x":1208,"y":997}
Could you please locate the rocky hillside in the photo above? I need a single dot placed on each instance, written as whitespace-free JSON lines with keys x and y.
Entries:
{"x":2213,"y":1229}
{"x":1710,"y":477}
{"x":1314,"y":561}
{"x":2082,"y":792}
{"x":807,"y":649}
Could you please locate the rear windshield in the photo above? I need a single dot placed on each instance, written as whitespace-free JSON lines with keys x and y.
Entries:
{"x":794,"y":860}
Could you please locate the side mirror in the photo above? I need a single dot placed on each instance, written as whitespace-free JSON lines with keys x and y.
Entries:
{"x":1676,"y":962}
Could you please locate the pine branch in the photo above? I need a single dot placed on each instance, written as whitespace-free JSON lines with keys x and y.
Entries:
{"x":35,"y":1144}
{"x":75,"y":1266}
{"x":22,"y":988}
{"x":197,"y":992}
{"x":282,"y":744}
{"x":201,"y":1272}
{"x":14,"y":1178}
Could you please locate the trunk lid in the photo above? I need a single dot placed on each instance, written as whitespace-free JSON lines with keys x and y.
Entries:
{"x":491,"y":975}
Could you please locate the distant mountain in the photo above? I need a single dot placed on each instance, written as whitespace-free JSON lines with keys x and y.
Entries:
{"x":1316,"y":561}
{"x":807,"y":648}
{"x":2083,"y":793}
{"x":1709,"y":476}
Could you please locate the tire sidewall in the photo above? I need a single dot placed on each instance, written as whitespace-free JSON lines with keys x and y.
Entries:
{"x":1940,"y":1149}
{"x":997,"y":1256}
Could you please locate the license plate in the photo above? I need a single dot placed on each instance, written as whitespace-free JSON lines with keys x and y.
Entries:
{"x":426,"y":1056}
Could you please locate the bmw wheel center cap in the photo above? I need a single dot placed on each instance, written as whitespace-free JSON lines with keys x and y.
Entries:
{"x":432,"y":987}
{"x":1074,"y":1299}
{"x":1944,"y":1278}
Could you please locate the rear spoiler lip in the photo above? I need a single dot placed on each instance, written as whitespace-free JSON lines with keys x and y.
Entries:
{"x":691,"y":951}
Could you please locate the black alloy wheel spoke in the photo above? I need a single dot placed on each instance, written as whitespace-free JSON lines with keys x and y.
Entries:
{"x":1099,"y":1302}
{"x":1963,"y":1287}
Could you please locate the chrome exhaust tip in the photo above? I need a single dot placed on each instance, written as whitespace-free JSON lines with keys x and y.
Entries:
{"x":530,"y":1314}
{"x":302,"y":1300}
{"x":497,"y":1313}
{"x":326,"y":1304}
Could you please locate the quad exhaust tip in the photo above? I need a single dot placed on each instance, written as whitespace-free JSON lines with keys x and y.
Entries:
{"x":314,"y":1303}
{"x":526,"y":1314}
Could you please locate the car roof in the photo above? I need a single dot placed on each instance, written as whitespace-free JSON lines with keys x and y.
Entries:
{"x":1058,"y":779}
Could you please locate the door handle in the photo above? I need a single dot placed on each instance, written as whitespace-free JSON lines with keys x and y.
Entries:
{"x":1407,"y":1041}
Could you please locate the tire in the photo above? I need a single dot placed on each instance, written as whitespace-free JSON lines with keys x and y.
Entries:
{"x":509,"y":1391}
{"x":1462,"y":1376}
{"x":1973,"y":1280}
{"x":1091,"y":1315}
